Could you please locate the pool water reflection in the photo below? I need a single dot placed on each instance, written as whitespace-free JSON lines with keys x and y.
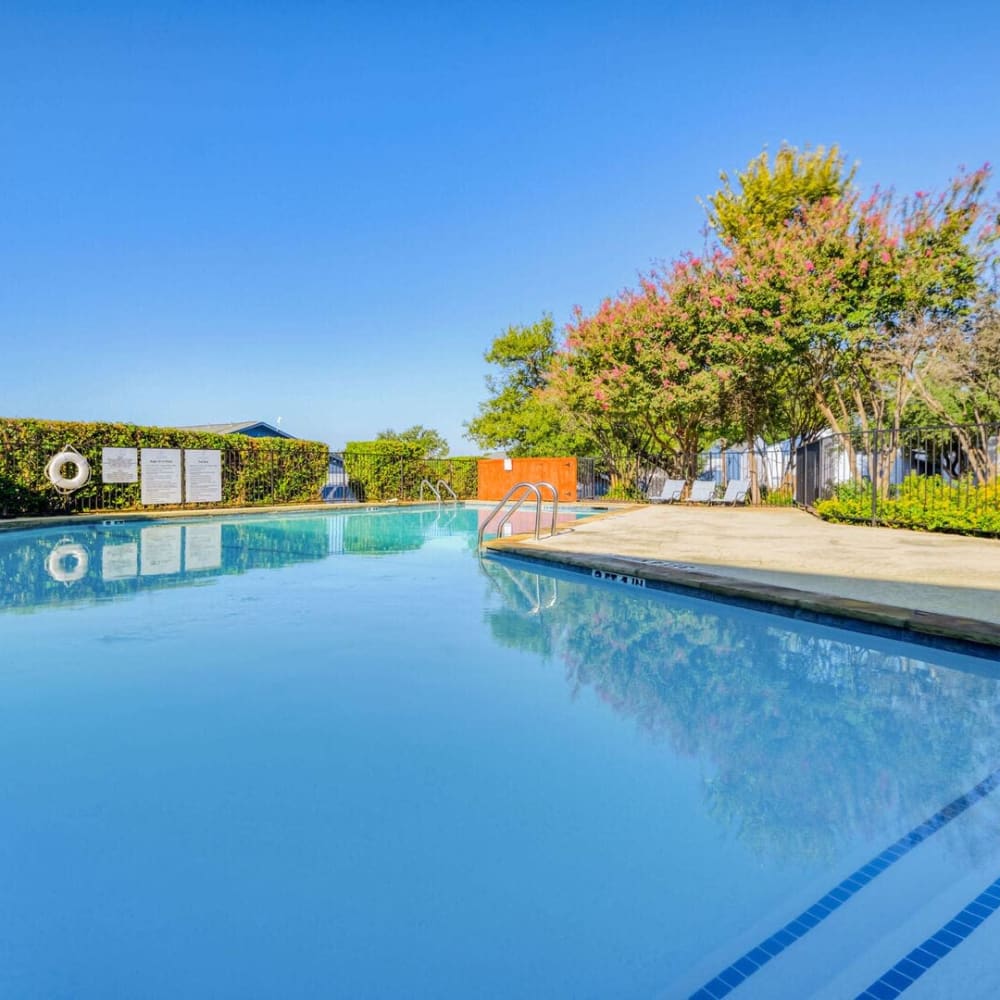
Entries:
{"x":251,"y":760}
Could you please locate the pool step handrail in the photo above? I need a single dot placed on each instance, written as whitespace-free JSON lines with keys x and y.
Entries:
{"x":525,"y":490}
{"x":431,"y":487}
{"x":447,"y":486}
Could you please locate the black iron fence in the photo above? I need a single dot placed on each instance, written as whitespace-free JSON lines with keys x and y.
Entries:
{"x":931,"y":477}
{"x":937,"y":477}
{"x":258,"y":477}
{"x":943,"y":477}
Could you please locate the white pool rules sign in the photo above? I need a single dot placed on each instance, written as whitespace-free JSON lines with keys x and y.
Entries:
{"x":202,"y":476}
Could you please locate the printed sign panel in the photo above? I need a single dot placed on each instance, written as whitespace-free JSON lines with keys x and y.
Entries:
{"x":202,"y":476}
{"x":120,"y":465}
{"x":202,"y":547}
{"x":159,"y":551}
{"x":161,"y":475}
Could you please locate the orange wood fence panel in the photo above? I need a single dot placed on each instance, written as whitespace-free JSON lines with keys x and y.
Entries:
{"x":495,"y":479}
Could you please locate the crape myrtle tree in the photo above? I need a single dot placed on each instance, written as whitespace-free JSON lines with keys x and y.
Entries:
{"x":638,"y":376}
{"x":754,"y":286}
{"x":861,"y":292}
{"x":811,"y":306}
{"x":834,"y":307}
{"x":697,"y":350}
{"x":963,"y":389}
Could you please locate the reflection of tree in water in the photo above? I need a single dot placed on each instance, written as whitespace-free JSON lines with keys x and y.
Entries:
{"x":367,"y":533}
{"x":812,"y":740}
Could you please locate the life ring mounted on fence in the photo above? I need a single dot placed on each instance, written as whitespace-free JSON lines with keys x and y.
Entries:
{"x":54,"y":470}
{"x":67,"y":562}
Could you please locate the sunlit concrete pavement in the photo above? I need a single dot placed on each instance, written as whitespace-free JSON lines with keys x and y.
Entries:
{"x":935,"y":583}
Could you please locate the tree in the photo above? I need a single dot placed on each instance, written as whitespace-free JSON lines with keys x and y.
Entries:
{"x":637,"y":375}
{"x":769,"y":196}
{"x":766,"y":392}
{"x":908,"y":269}
{"x":520,"y":418}
{"x":433,"y":445}
{"x":963,"y":389}
{"x":847,"y":299}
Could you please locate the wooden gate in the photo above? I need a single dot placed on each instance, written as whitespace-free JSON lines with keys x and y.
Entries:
{"x":498,"y":475}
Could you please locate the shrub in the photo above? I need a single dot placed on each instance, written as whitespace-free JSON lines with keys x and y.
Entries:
{"x":393,"y":469}
{"x":923,"y":502}
{"x":623,"y":491}
{"x":780,"y":497}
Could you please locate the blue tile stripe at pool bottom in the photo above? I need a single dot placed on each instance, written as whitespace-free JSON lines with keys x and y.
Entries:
{"x":745,"y":966}
{"x":903,"y":974}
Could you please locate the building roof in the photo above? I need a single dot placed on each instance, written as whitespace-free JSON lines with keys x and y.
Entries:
{"x":261,"y":428}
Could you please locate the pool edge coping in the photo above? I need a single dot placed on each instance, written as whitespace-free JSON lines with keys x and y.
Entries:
{"x":929,"y":624}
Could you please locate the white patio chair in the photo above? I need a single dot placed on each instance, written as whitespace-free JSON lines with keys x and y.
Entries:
{"x":702,"y":491}
{"x":671,"y":492}
{"x":736,"y":492}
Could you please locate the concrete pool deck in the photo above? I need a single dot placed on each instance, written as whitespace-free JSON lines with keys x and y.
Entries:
{"x":930,"y":584}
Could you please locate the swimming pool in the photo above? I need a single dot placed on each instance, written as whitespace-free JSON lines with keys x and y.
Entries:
{"x":340,"y":755}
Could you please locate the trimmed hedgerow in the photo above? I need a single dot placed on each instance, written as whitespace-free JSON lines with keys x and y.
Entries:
{"x":390,"y":469}
{"x":928,"y":503}
{"x":255,"y":470}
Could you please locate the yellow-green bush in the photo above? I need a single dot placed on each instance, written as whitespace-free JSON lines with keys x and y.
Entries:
{"x":923,"y":502}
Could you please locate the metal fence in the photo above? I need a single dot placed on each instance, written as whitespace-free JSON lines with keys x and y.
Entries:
{"x":890,"y":476}
{"x":264,"y":476}
{"x":932,"y":467}
{"x":907,"y":476}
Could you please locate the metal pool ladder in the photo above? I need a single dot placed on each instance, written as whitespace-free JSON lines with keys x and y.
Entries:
{"x":435,"y":488}
{"x":525,"y":490}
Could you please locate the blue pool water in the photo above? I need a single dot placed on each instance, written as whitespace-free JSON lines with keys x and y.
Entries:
{"x":340,"y":755}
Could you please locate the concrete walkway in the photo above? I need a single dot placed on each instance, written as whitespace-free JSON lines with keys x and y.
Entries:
{"x":933,"y":583}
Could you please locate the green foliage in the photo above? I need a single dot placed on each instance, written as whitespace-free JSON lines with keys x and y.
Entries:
{"x":519,"y":417}
{"x":255,"y":470}
{"x":460,"y":473}
{"x":378,"y":470}
{"x":780,"y":497}
{"x":623,"y":490}
{"x":432,"y":443}
{"x":393,"y":469}
{"x":769,"y":195}
{"x":928,"y":503}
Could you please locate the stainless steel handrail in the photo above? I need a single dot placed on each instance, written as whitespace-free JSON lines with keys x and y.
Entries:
{"x":555,"y":506}
{"x":528,"y":489}
{"x":447,"y":486}
{"x":431,"y":487}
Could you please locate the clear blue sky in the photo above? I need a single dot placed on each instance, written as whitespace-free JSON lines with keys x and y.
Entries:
{"x":327,"y":211}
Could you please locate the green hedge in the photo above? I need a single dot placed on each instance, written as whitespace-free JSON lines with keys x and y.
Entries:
{"x":923,"y":502}
{"x":254,"y":470}
{"x":389,"y":469}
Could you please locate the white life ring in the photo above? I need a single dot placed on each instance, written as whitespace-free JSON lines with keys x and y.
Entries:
{"x":67,"y":484}
{"x":67,"y":563}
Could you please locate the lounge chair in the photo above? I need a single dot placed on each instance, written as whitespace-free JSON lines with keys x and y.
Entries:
{"x":702,"y":491}
{"x":736,"y":492}
{"x":671,"y":492}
